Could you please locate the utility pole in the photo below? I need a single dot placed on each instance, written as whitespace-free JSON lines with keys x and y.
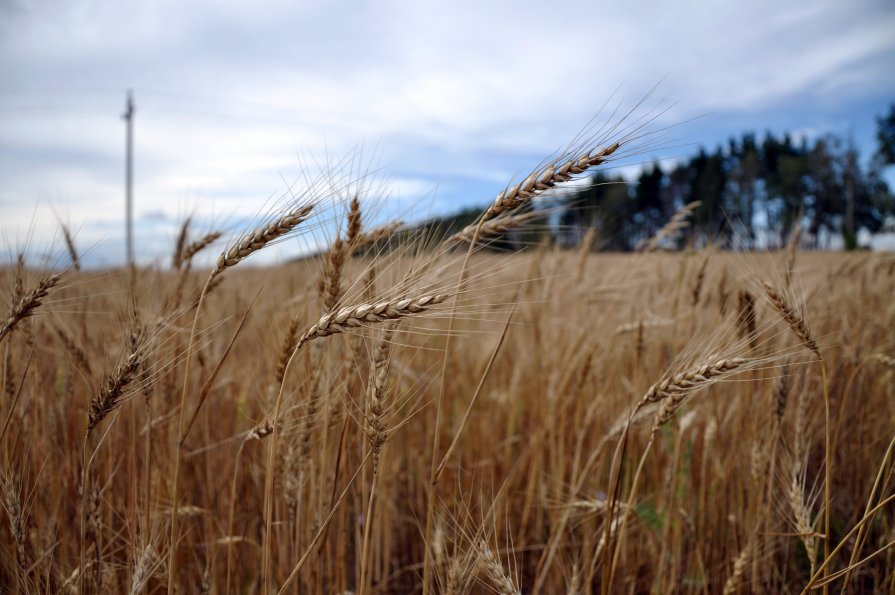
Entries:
{"x":128,"y":117}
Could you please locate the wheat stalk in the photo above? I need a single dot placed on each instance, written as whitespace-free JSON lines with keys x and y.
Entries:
{"x":746,"y":324}
{"x":697,"y":283}
{"x":723,"y":293}
{"x":587,"y":243}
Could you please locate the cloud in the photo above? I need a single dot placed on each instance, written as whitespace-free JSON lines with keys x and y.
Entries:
{"x":454,"y":98}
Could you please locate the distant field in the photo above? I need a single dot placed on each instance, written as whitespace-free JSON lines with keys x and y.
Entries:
{"x":724,"y":394}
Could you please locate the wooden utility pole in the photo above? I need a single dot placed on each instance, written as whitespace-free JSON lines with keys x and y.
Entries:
{"x":128,"y":117}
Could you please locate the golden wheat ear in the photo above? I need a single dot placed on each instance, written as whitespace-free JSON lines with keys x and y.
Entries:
{"x":116,"y":386}
{"x":791,"y":316}
{"x":259,"y":238}
{"x":17,"y":522}
{"x":70,"y":246}
{"x":672,"y":229}
{"x":540,"y":181}
{"x":672,"y":391}
{"x":361,"y":314}
{"x":28,"y":303}
{"x":495,"y":227}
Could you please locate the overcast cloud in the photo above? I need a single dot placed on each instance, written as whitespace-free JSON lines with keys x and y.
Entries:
{"x":449,"y":99}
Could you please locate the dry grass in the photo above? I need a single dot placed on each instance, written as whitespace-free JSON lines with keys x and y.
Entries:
{"x":532,"y":451}
{"x":540,"y":422}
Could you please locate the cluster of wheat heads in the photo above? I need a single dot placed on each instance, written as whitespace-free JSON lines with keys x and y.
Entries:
{"x":403,"y":413}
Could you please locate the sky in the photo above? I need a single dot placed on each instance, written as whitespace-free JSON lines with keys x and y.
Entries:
{"x":443,"y":103}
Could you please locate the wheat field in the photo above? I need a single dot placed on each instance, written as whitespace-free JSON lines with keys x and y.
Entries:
{"x":404,"y":415}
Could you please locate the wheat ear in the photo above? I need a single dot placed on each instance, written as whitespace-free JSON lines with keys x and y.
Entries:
{"x":792,"y":247}
{"x":330,"y":285}
{"x":495,"y":227}
{"x":672,"y":391}
{"x":789,"y":314}
{"x":697,"y":283}
{"x":684,"y":383}
{"x":801,"y":513}
{"x":376,"y":428}
{"x":781,"y":393}
{"x":180,"y":244}
{"x":723,"y":293}
{"x":355,"y":222}
{"x":375,"y":235}
{"x":358,"y":315}
{"x":19,"y":282}
{"x":70,"y":246}
{"x":110,"y":396}
{"x":144,"y":565}
{"x":491,"y":567}
{"x":28,"y":303}
{"x":77,"y":354}
{"x":742,"y":562}
{"x":286,"y":349}
{"x":539,"y":181}
{"x":677,"y":222}
{"x":260,"y":238}
{"x":13,"y":506}
{"x":193,"y":248}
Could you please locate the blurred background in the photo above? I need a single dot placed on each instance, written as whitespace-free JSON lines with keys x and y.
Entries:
{"x":776,"y":113}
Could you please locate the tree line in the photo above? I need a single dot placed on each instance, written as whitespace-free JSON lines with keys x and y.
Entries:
{"x":751,"y":192}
